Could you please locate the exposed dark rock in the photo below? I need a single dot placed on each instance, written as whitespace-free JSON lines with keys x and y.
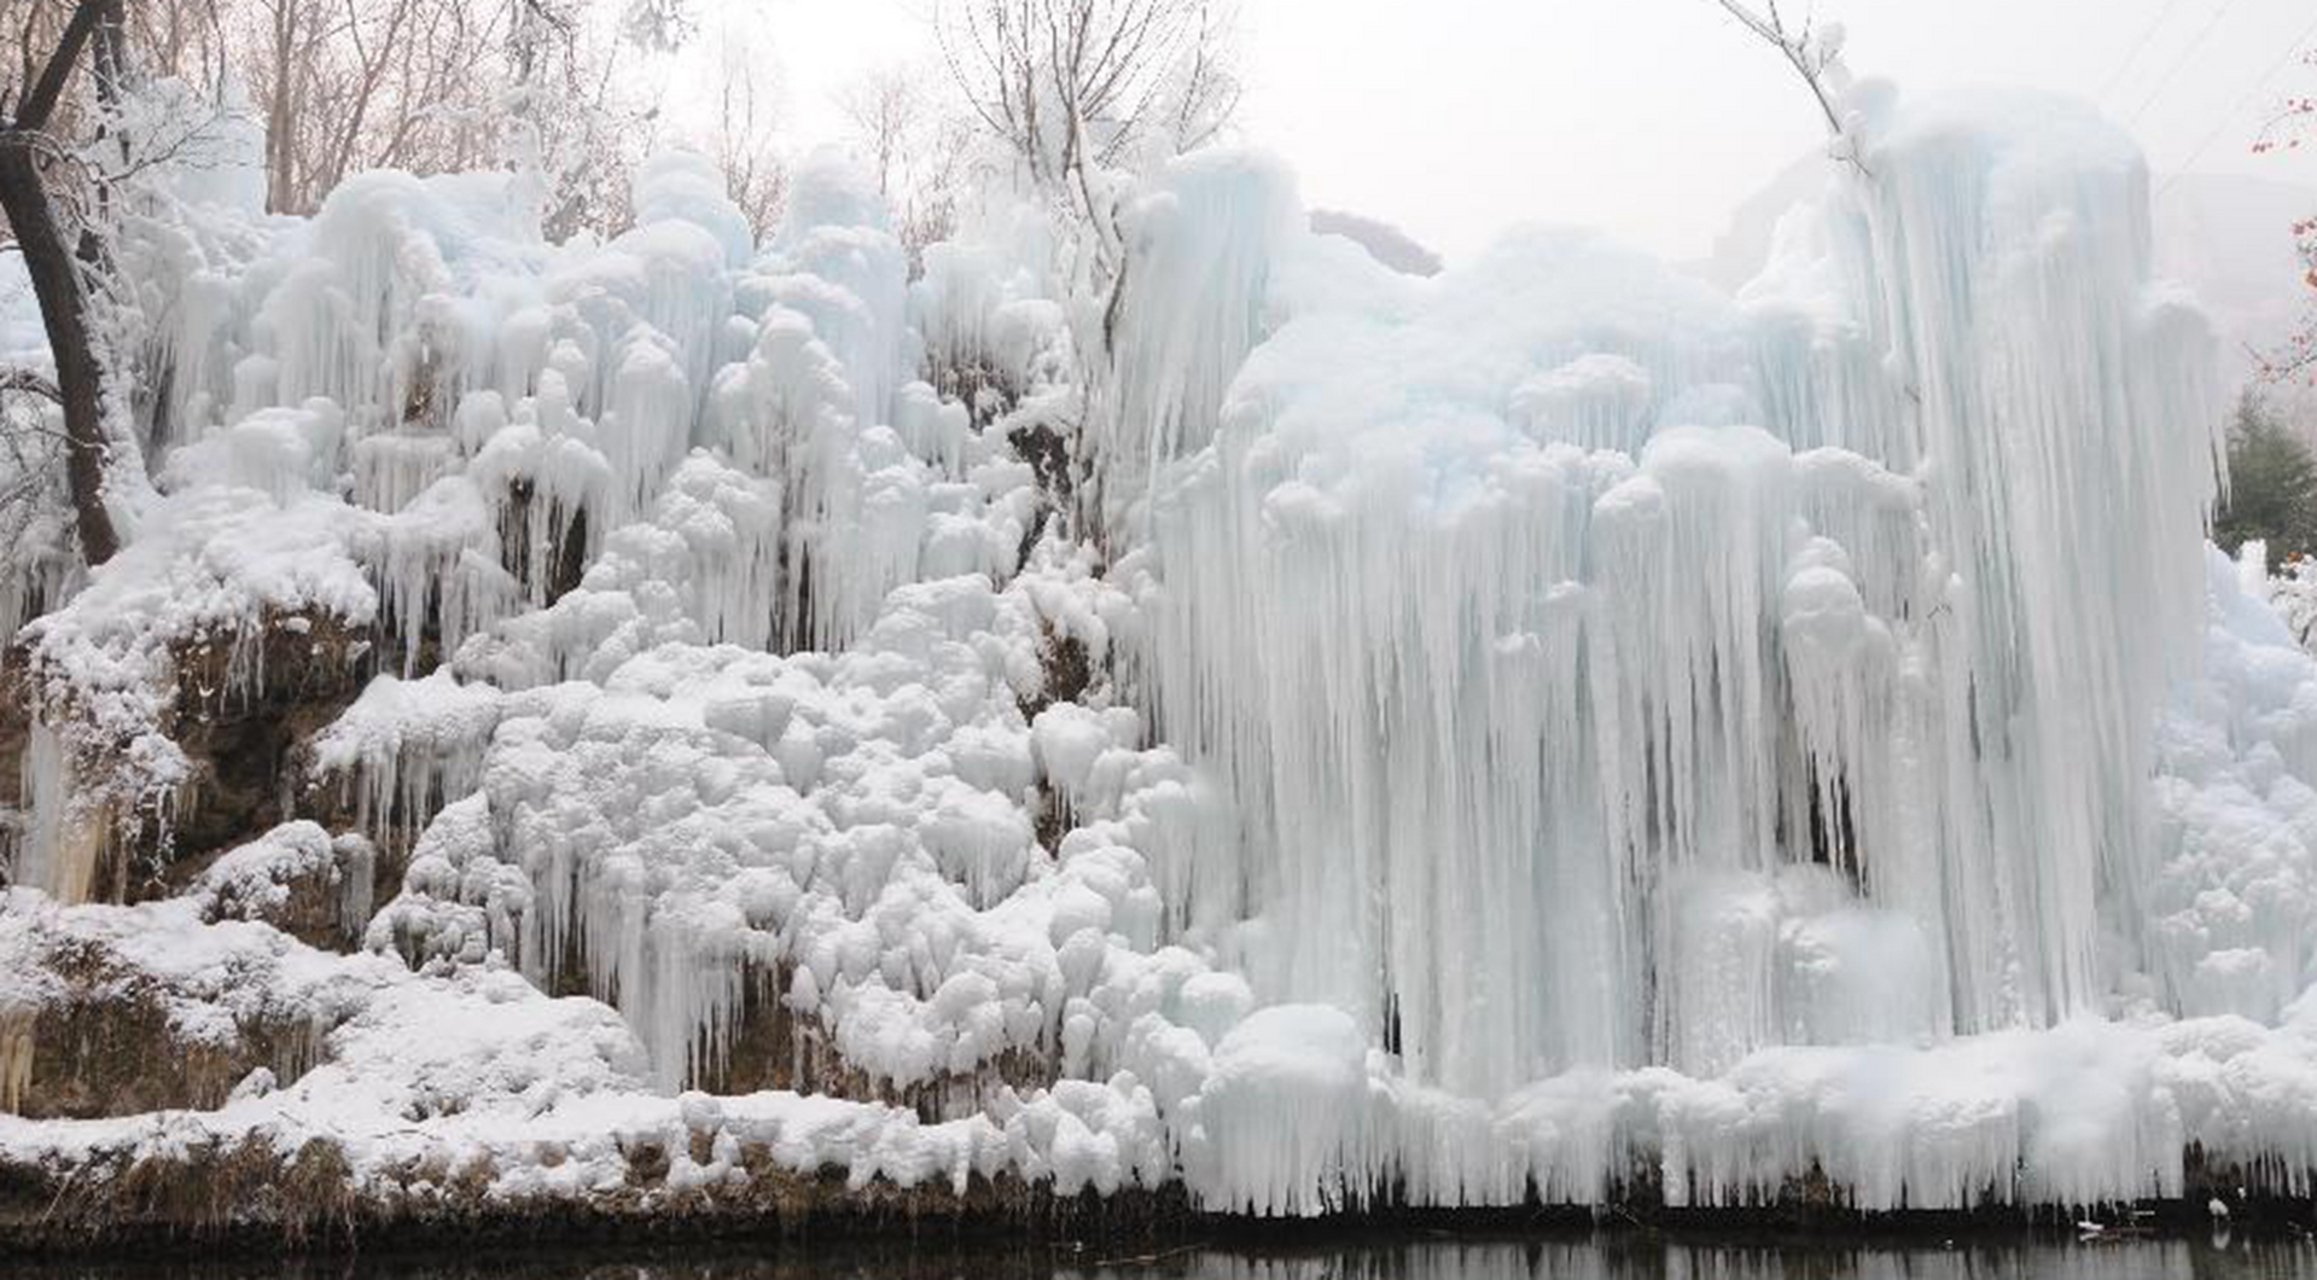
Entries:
{"x":242,"y":737}
{"x":1047,"y":451}
{"x":109,"y":1047}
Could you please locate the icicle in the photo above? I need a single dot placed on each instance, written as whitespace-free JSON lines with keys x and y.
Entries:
{"x":1204,"y":245}
{"x":647,"y":422}
{"x":855,"y":497}
{"x":65,"y":844}
{"x":17,"y":1024}
{"x":438,"y":569}
{"x":403,"y":750}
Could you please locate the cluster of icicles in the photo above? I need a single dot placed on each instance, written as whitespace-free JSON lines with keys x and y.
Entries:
{"x":1612,"y":675}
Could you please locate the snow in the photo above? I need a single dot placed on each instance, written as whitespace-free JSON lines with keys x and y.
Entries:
{"x":210,"y":981}
{"x":1280,"y":1121}
{"x":254,"y":881}
{"x":1466,"y":735}
{"x":1295,"y":1113}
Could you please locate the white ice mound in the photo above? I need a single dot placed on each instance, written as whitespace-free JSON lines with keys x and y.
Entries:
{"x":1611,"y":674}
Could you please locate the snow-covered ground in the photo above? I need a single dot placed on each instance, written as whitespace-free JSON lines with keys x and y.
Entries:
{"x":1550,"y":726}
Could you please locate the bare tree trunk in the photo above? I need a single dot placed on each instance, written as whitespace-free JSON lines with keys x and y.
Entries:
{"x":56,"y":283}
{"x":282,"y":110}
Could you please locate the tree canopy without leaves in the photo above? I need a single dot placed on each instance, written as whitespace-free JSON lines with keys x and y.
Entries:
{"x":1075,"y":85}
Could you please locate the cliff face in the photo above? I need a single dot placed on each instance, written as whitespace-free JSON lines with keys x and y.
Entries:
{"x":680,"y":727}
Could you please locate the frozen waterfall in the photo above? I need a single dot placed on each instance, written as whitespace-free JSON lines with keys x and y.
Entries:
{"x":1531,"y":730}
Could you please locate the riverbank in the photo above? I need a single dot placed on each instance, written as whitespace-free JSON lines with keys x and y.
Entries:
{"x":248,"y":1201}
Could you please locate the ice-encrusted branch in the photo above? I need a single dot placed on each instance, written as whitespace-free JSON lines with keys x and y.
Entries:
{"x":1812,"y":55}
{"x":30,"y":382}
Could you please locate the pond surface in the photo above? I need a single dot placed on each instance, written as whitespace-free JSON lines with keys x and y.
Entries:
{"x":1620,"y":1256}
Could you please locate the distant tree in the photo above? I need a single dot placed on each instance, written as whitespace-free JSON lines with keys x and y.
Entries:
{"x":937,"y":169}
{"x":345,"y":85}
{"x":915,"y":143}
{"x":662,"y":25}
{"x":2272,"y":486}
{"x":883,"y":106}
{"x":744,"y":143}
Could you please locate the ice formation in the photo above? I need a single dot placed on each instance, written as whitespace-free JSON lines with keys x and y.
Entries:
{"x":1632,"y":678}
{"x":1311,"y":732}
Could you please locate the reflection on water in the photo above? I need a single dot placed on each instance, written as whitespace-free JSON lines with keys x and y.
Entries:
{"x":1610,"y":1257}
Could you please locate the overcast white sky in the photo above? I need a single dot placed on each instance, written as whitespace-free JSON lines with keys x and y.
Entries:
{"x":1454,"y":118}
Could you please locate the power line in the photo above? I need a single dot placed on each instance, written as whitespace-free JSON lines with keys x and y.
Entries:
{"x":2292,"y":48}
{"x":2186,"y":53}
{"x":2139,"y":46}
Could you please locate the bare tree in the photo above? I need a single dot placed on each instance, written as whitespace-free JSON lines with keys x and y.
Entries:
{"x":352,"y":84}
{"x":569,"y":123}
{"x":935,"y":167}
{"x":884,"y":107}
{"x":1815,"y":53}
{"x":55,"y":261}
{"x":1071,"y":86}
{"x":423,"y":85}
{"x":917,"y":144}
{"x":747,"y":116}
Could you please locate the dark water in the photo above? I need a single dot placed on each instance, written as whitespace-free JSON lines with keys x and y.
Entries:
{"x":1614,"y":1257}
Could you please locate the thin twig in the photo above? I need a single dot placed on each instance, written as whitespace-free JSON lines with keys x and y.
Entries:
{"x":1811,"y":66}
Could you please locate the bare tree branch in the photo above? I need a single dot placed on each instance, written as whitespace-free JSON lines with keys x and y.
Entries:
{"x":29,"y":382}
{"x":1809,"y":58}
